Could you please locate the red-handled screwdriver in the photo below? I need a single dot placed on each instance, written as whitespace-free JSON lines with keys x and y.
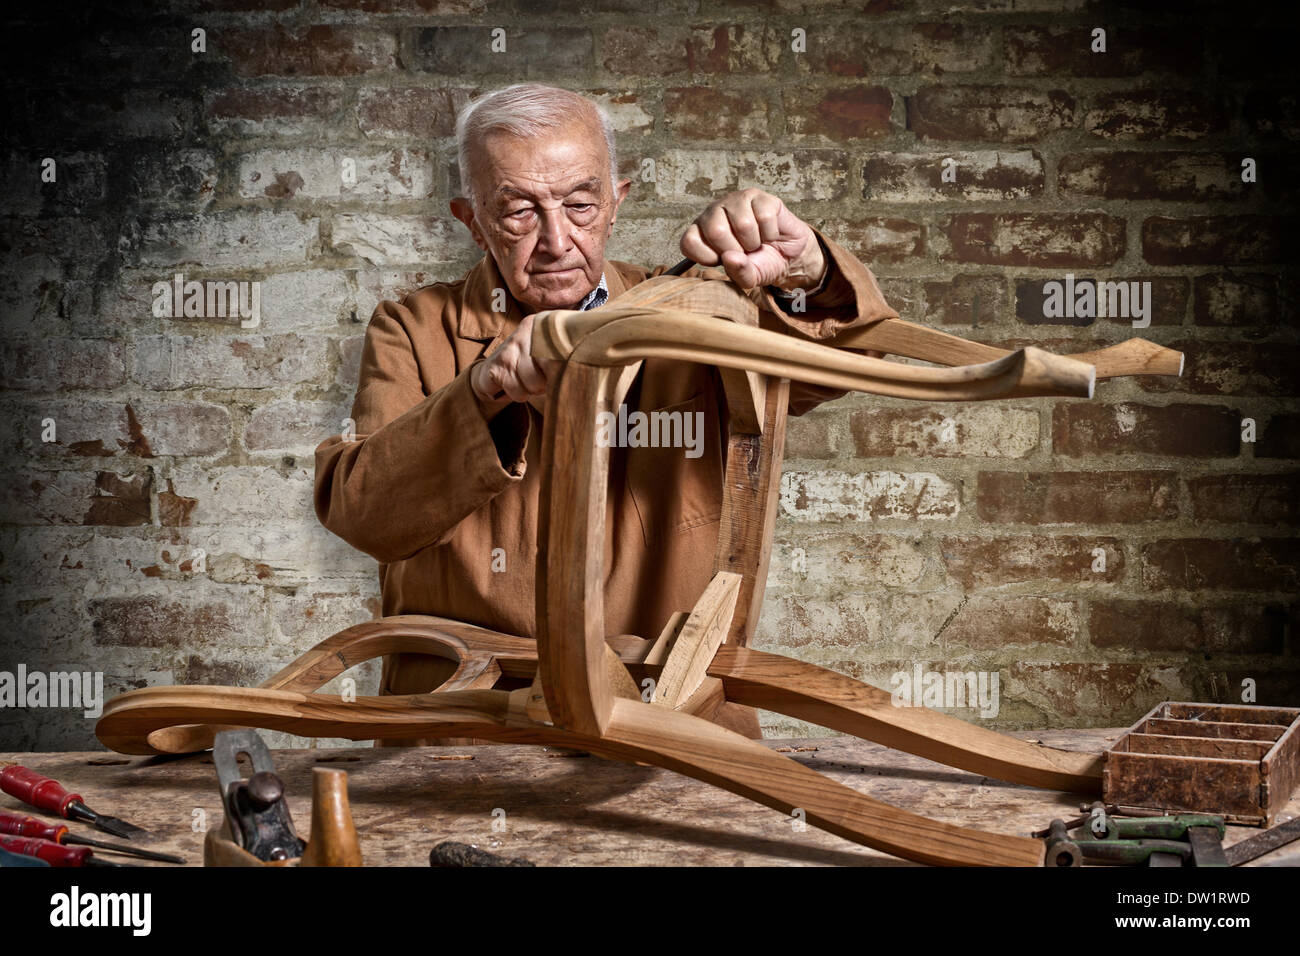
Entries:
{"x":54,"y":854}
{"x":46,"y":794}
{"x":15,"y":825}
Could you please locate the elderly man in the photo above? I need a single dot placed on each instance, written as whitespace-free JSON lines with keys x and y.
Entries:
{"x":437,"y":484}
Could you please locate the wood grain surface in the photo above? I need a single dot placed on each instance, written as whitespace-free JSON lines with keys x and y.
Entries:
{"x":563,"y":809}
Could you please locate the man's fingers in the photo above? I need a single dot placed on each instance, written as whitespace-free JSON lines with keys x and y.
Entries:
{"x":530,"y":376}
{"x":740,"y":270}
{"x":744,"y":227}
{"x":695,"y":248}
{"x":715,"y":228}
{"x":767,"y":215}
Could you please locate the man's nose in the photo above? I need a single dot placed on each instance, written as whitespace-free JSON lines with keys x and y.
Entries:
{"x":554,"y":232}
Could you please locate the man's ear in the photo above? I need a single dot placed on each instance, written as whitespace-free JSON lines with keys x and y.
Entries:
{"x":621,"y":190}
{"x":464,"y":211}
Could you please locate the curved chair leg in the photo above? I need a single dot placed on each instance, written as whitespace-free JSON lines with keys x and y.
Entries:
{"x":155,"y":720}
{"x":830,"y":699}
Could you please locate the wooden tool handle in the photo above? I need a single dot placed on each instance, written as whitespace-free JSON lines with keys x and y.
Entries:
{"x":333,"y":839}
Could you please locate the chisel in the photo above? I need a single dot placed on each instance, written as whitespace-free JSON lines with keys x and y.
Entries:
{"x":46,"y":794}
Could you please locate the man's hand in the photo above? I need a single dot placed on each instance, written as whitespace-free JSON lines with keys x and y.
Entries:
{"x":509,"y":374}
{"x":757,"y":241}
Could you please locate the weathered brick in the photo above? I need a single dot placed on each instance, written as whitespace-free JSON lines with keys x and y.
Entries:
{"x":840,"y":496}
{"x":1077,"y":497}
{"x":958,"y":431}
{"x":241,"y":495}
{"x":986,"y":176}
{"x":1246,"y":499}
{"x":814,"y":435}
{"x":1205,"y":431}
{"x":977,"y":562}
{"x":294,"y":426}
{"x":411,"y":113}
{"x":878,"y":239}
{"x":349,"y":350}
{"x":1154,"y":114}
{"x":859,"y":111}
{"x":829,"y":563}
{"x":244,"y":361}
{"x":1233,"y":368}
{"x":273,"y":111}
{"x":819,"y":629}
{"x":1280,"y":437}
{"x":1130,"y":51}
{"x":107,"y":428}
{"x":1174,"y":176}
{"x":1093,"y":694}
{"x":224,"y":617}
{"x":1241,"y":300}
{"x":428,"y":8}
{"x":1035,"y":239}
{"x":397,"y":240}
{"x":627,"y":109}
{"x":80,"y":179}
{"x":881,"y":49}
{"x":184,"y":177}
{"x":319,"y":50}
{"x":1146,"y":625}
{"x":320,"y":611}
{"x":398,"y":174}
{"x":1217,"y":240}
{"x":794,"y":175}
{"x":647,"y":242}
{"x":973,"y":300}
{"x":50,"y":364}
{"x":711,"y":50}
{"x":644,"y":51}
{"x":234,"y":239}
{"x":988,"y":113}
{"x":1216,"y":564}
{"x":950,"y":619}
{"x":699,"y":112}
{"x":468,"y":51}
{"x":1166,"y":303}
{"x":313,"y":299}
{"x":76,"y":497}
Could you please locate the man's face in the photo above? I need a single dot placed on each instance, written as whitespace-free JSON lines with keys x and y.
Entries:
{"x":545,"y":209}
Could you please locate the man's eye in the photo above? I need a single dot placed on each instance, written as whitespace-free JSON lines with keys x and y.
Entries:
{"x":582,"y":206}
{"x":520,"y":213}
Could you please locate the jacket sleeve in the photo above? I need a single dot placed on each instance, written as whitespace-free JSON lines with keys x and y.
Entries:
{"x":419,"y":463}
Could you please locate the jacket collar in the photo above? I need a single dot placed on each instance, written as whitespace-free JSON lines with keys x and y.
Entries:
{"x":477,"y":318}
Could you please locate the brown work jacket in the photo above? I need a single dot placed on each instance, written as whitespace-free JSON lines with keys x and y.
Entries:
{"x":447,"y":502}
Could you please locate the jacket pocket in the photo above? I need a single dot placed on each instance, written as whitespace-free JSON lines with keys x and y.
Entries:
{"x":677,"y":486}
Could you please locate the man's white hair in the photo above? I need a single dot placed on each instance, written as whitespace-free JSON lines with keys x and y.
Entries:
{"x":524,"y":109}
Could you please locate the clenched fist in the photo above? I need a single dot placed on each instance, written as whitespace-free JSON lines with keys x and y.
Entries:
{"x":757,"y":241}
{"x":509,"y":374}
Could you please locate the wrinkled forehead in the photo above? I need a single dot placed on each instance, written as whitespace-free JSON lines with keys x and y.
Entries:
{"x":548,"y":165}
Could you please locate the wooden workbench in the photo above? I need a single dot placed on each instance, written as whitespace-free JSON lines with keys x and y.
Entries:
{"x":561,"y":809}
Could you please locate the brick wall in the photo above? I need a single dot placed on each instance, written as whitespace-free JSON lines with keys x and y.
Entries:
{"x":166,"y":534}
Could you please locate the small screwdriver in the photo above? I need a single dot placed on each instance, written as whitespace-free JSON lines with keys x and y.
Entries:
{"x":15,"y":825}
{"x":54,"y":854}
{"x":46,"y":794}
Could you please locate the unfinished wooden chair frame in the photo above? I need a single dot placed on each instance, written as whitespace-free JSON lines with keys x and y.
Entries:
{"x":585,"y":684}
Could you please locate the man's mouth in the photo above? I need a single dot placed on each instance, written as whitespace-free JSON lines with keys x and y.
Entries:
{"x":554,"y":272}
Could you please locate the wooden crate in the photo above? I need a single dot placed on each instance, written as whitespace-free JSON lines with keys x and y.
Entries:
{"x":1237,"y":760}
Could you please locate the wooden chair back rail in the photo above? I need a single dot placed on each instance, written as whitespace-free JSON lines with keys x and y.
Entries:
{"x":584,"y":690}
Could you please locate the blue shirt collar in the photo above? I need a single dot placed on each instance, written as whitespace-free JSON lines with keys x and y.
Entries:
{"x":596,"y":297}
